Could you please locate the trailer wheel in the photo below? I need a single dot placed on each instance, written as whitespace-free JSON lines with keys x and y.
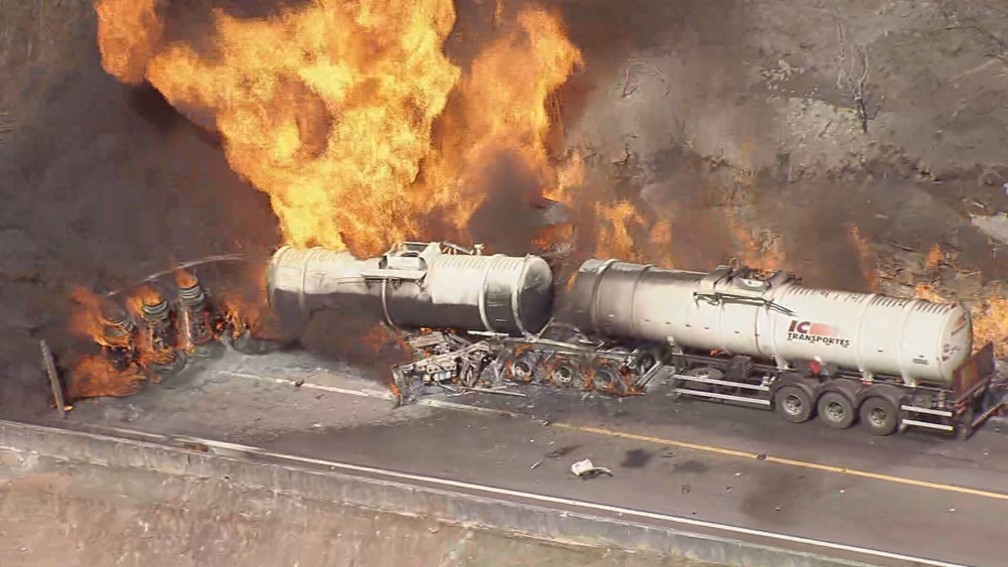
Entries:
{"x":565,"y":374}
{"x":836,"y":410}
{"x":608,"y":380}
{"x":793,"y":404}
{"x":879,"y":416}
{"x":520,"y":368}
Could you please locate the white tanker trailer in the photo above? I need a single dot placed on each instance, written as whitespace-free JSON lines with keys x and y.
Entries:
{"x":731,"y":335}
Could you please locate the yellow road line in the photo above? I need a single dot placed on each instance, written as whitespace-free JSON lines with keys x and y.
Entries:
{"x":660,"y":441}
{"x":783,"y":461}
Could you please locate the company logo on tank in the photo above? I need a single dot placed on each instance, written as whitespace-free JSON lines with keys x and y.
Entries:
{"x":815,"y":333}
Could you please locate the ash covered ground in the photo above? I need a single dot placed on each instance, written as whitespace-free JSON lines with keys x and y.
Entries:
{"x":707,"y":129}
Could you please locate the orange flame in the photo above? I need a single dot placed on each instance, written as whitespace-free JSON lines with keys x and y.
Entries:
{"x":989,"y":317}
{"x":329,"y":107}
{"x":867,"y":258}
{"x":616,"y":223}
{"x":95,"y":376}
{"x":143,"y":295}
{"x":89,"y":320}
{"x":240,"y":315}
{"x":126,"y":49}
{"x":185,"y":279}
{"x":763,"y":253}
{"x":990,"y":325}
{"x":935,"y":257}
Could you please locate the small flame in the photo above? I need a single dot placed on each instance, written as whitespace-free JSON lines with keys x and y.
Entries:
{"x":990,"y":319}
{"x":143,"y":295}
{"x":185,"y":279}
{"x":615,"y":238}
{"x":763,"y":253}
{"x":867,"y":258}
{"x":935,"y":257}
{"x":239,"y":315}
{"x":990,"y":325}
{"x":927,"y":292}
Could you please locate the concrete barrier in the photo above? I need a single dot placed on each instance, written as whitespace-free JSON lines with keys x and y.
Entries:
{"x":311,"y":480}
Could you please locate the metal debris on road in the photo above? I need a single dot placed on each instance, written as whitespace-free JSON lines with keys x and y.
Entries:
{"x":535,"y":465}
{"x":586,"y":469}
{"x":54,"y":380}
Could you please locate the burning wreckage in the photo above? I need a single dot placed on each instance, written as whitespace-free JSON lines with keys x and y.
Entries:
{"x":735,"y":334}
{"x":152,"y":333}
{"x":731,"y":335}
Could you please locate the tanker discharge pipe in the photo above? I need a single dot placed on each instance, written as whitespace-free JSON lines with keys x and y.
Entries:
{"x":415,"y":285}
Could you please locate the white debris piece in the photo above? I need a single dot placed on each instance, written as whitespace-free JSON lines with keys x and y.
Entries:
{"x":587,"y":469}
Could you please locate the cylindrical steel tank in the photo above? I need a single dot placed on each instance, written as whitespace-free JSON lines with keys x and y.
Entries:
{"x":774,"y":319}
{"x":416,"y":286}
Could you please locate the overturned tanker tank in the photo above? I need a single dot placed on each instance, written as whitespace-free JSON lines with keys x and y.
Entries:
{"x":433,"y":285}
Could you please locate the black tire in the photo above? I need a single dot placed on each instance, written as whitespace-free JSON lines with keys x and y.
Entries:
{"x":879,"y":416}
{"x":836,"y":410}
{"x":793,"y":404}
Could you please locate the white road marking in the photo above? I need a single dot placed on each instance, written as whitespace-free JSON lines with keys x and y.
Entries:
{"x":585,"y":505}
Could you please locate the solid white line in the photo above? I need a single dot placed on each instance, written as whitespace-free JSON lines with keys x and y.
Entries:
{"x":333,"y":465}
{"x":371,"y":393}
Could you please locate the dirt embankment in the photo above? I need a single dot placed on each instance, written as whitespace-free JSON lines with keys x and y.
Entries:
{"x":823,"y":133}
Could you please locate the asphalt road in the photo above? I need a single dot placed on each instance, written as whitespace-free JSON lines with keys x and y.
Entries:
{"x":917,"y":494}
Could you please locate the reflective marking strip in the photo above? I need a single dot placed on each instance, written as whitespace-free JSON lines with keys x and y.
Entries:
{"x":929,"y":411}
{"x":722,"y":396}
{"x":928,"y":425}
{"x":722,"y":382}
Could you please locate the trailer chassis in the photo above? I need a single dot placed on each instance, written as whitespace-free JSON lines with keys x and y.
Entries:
{"x":456,"y":363}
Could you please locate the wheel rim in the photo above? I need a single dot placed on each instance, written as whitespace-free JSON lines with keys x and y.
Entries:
{"x":522,"y":369}
{"x":835,"y":411}
{"x":877,"y":417}
{"x":792,"y":404}
{"x":563,"y":375}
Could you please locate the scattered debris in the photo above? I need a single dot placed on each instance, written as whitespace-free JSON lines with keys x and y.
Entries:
{"x":586,"y":469}
{"x":561,"y":452}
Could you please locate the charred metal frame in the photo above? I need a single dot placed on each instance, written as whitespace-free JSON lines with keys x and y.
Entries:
{"x":561,"y":356}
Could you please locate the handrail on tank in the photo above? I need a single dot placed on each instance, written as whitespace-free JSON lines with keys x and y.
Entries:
{"x":444,"y":247}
